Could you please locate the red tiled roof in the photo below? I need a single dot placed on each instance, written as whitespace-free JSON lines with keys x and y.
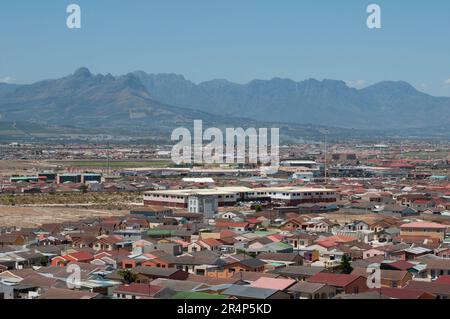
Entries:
{"x":81,"y":255}
{"x":423,"y":225}
{"x":211,"y":242}
{"x":402,"y":293}
{"x":226,"y":223}
{"x":338,"y":280}
{"x":401,"y":265}
{"x":227,"y":233}
{"x":326,"y":243}
{"x":443,"y":280}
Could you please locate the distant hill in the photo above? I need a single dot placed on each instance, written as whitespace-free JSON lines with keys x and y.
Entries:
{"x":94,"y":101}
{"x":386,"y":105}
{"x":142,"y":105}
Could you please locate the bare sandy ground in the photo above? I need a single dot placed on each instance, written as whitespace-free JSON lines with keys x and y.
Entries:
{"x":35,"y":216}
{"x":343,"y":218}
{"x":23,"y":167}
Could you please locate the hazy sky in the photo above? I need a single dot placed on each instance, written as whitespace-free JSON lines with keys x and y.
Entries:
{"x":234,"y":39}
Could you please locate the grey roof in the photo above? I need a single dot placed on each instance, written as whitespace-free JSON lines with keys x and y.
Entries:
{"x":279,"y":256}
{"x":298,"y":271}
{"x":249,"y":292}
{"x":365,"y":295}
{"x":201,"y":260}
{"x":252,"y":262}
{"x":306,"y":287}
{"x":431,"y":287}
{"x":154,"y":271}
{"x":176,"y":285}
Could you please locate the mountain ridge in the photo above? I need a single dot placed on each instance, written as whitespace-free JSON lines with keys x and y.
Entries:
{"x":160,"y":102}
{"x":328,"y":102}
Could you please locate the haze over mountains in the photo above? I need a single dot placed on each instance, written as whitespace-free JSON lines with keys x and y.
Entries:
{"x":158,"y":103}
{"x":387,"y":105}
{"x":86,"y":100}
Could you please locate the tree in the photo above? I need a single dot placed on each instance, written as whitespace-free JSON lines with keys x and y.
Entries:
{"x":345,"y":266}
{"x":128,"y":276}
{"x":258,"y":208}
{"x":83,"y":189}
{"x":44,"y":261}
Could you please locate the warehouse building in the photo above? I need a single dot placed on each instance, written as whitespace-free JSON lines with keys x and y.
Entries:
{"x":229,"y":196}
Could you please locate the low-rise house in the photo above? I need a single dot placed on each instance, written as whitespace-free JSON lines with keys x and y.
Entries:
{"x":81,"y":257}
{"x":204,"y":244}
{"x":64,"y":293}
{"x":373,"y":252}
{"x":299,"y":241}
{"x":294,"y":224}
{"x":247,"y":292}
{"x":228,"y":270}
{"x":199,"y":262}
{"x":285,"y":259}
{"x":348,"y":284}
{"x":12,"y":239}
{"x":389,"y":278}
{"x":247,"y":277}
{"x":232,"y":225}
{"x":299,"y":273}
{"x":111,"y":242}
{"x":138,"y":291}
{"x":400,"y":211}
{"x":423,"y":229}
{"x":441,"y":291}
{"x":357,"y":225}
{"x":281,"y":284}
{"x":410,"y":253}
{"x":407,"y":294}
{"x":147,"y":274}
{"x":434,"y":268}
{"x":176,"y":285}
{"x":309,"y":290}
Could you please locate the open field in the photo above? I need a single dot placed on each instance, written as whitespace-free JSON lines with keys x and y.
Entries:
{"x":97,"y":200}
{"x":35,"y":216}
{"x":23,"y":167}
{"x":439,"y":155}
{"x":346,"y":217}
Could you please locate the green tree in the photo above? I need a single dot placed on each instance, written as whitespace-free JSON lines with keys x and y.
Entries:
{"x":345,"y":266}
{"x":83,"y":189}
{"x":44,"y":261}
{"x":258,"y":208}
{"x":128,"y":276}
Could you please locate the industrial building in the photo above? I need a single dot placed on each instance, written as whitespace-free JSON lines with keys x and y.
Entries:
{"x":78,"y":178}
{"x":229,"y":196}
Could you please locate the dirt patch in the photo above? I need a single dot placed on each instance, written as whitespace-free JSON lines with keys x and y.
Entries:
{"x":35,"y":216}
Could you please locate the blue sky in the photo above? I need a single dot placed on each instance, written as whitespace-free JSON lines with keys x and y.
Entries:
{"x":238,"y":40}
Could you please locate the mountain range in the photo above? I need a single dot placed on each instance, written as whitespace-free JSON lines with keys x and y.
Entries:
{"x":386,"y":105}
{"x":157,"y":103}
